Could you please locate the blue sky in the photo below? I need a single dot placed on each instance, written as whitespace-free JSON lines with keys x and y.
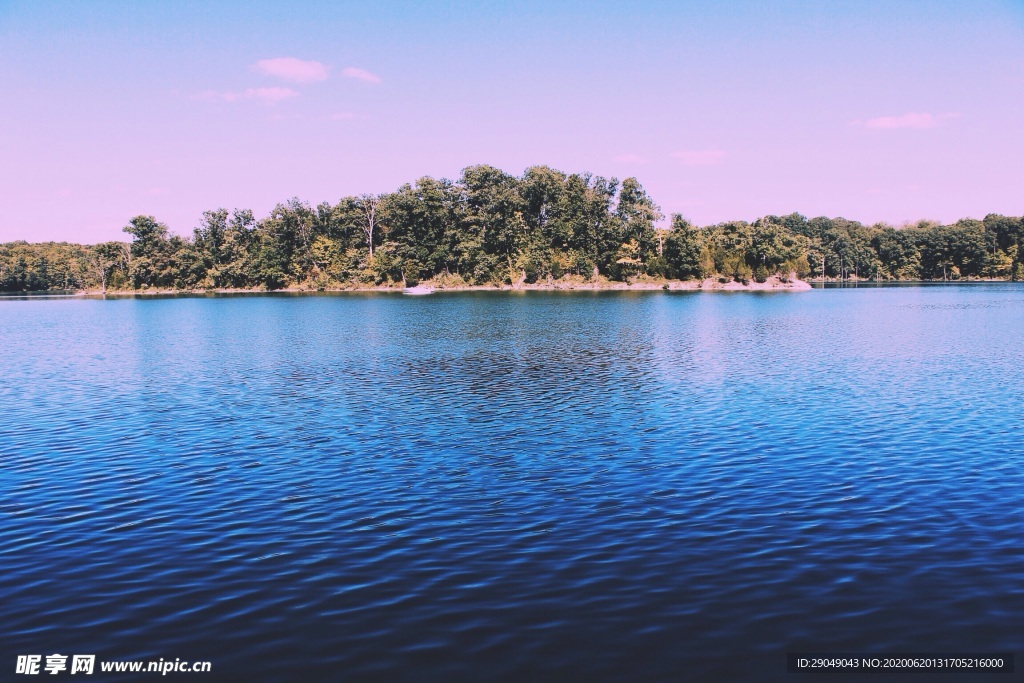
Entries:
{"x":877,"y":111}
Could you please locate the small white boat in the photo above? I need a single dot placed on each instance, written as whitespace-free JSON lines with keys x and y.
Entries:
{"x":418,"y":290}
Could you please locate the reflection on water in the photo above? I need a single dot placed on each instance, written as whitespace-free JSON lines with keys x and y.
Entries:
{"x":603,"y":486}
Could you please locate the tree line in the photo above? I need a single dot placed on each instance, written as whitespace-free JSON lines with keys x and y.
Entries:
{"x":490,"y":227}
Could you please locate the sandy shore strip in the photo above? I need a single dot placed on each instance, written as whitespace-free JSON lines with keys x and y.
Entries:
{"x":429,"y":287}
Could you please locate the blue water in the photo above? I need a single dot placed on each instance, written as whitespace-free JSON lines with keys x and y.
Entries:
{"x":540,"y":486}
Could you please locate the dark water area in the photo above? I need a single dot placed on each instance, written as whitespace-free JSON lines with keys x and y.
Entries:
{"x":500,"y":486}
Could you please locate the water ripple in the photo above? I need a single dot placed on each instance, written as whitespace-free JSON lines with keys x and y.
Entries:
{"x":544,"y":487}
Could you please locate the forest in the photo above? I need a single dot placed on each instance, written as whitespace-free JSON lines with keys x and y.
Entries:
{"x":492,"y":228}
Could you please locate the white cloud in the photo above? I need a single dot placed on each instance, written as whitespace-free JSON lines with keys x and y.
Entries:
{"x":700,"y":157}
{"x":908,"y":120}
{"x":360,"y":74}
{"x":292,"y":69}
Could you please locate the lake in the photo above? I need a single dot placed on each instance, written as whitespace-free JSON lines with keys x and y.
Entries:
{"x":523,"y":486}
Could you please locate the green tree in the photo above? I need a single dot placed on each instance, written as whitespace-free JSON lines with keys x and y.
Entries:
{"x":685,"y":251}
{"x":637,"y":214}
{"x":151,"y":255}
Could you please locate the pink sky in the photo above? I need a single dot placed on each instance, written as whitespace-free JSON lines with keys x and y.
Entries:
{"x":873,"y":111}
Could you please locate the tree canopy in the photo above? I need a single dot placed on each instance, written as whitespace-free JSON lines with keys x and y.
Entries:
{"x":490,"y":227}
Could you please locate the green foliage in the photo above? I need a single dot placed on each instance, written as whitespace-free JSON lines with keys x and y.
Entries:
{"x":490,"y":227}
{"x":637,"y":213}
{"x":48,"y":265}
{"x":685,"y":251}
{"x":152,"y":255}
{"x":897,"y":253}
{"x":627,"y":260}
{"x":950,"y":249}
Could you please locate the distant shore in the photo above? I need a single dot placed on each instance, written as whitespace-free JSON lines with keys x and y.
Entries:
{"x":773,"y":283}
{"x":644,"y":284}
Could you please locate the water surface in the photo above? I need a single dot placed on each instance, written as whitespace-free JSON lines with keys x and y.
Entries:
{"x":478,"y":486}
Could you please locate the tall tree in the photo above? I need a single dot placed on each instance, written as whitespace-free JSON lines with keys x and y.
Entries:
{"x":368,"y":204}
{"x":637,"y":214}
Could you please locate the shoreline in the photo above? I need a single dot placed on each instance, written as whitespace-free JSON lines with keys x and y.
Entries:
{"x":773,"y":284}
{"x":708,"y":285}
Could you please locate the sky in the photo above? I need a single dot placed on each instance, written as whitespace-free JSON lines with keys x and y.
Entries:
{"x":889,"y":111}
